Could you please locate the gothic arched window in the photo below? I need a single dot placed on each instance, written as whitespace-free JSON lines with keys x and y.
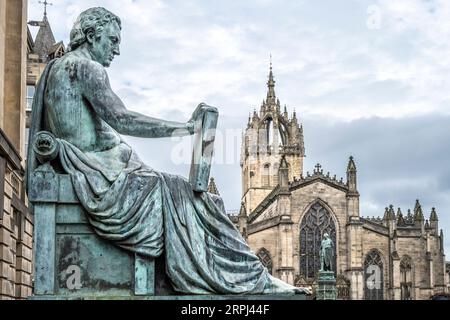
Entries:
{"x":265,"y":258}
{"x":373,"y":276}
{"x":316,"y":222}
{"x":406,"y":278}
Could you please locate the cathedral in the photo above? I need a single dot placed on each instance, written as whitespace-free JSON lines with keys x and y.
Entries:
{"x":285,"y":213}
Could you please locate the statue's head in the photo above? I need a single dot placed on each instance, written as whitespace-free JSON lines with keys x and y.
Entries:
{"x":326,"y":235}
{"x":99,"y":30}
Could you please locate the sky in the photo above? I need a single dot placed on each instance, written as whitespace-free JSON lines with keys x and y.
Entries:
{"x":368,"y":78}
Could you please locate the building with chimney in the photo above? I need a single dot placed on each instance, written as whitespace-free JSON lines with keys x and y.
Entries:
{"x":285,"y":214}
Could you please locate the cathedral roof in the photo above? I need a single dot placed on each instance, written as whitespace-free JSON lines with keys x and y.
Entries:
{"x":317,"y":176}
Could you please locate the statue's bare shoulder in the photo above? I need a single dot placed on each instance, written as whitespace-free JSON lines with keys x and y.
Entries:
{"x":74,"y":84}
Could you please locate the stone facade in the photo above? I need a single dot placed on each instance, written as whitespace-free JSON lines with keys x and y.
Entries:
{"x":284,"y":215}
{"x":22,"y":61}
{"x":16,"y":224}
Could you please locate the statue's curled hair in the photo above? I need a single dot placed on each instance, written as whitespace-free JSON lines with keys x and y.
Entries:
{"x":93,"y":19}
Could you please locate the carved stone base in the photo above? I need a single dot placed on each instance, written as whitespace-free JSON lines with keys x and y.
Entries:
{"x":326,"y":289}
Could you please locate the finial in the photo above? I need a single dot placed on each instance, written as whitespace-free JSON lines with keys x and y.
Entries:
{"x":351,"y":164}
{"x":270,"y":61}
{"x":386,"y":214}
{"x":45,"y":3}
{"x":294,"y":117}
{"x":212,"y":188}
{"x":433,"y":216}
{"x":317,"y":168}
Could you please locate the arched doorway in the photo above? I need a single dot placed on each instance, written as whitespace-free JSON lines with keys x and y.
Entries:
{"x":266,"y":259}
{"x":316,"y":222}
{"x":373,"y":276}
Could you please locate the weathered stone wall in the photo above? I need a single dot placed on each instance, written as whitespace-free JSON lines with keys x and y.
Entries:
{"x":16,"y":242}
{"x":268,"y":239}
{"x":372,"y":239}
{"x":16,"y":226}
{"x":2,"y":57}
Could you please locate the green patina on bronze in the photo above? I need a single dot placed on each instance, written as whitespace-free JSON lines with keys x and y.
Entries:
{"x":326,"y":289}
{"x":105,"y":216}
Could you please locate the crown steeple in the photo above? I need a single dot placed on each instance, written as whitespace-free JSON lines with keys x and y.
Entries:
{"x":274,"y":140}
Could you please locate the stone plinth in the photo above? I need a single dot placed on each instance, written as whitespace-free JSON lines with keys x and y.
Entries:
{"x":326,"y":289}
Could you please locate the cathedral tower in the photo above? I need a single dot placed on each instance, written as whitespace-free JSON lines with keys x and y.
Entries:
{"x":270,"y":135}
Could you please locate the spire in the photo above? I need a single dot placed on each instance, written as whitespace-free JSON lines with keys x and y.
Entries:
{"x":433,"y":216}
{"x":418,"y":214}
{"x":271,"y":87}
{"x":263,"y":109}
{"x":212,"y":188}
{"x":351,"y":175}
{"x":44,"y":40}
{"x":391,"y":213}
{"x":400,"y":219}
{"x":255,"y":115}
{"x":409,"y":217}
{"x":294,"y":120}
{"x":351,"y":165}
{"x":386,"y":214}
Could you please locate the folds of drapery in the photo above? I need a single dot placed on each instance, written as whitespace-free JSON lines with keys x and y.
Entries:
{"x":144,"y":211}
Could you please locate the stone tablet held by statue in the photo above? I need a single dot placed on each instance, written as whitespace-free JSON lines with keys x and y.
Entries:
{"x":205,"y":132}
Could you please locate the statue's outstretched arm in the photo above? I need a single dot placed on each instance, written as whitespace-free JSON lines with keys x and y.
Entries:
{"x":110,"y":108}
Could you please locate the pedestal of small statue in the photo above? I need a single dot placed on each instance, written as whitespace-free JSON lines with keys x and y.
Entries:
{"x":326,"y":289}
